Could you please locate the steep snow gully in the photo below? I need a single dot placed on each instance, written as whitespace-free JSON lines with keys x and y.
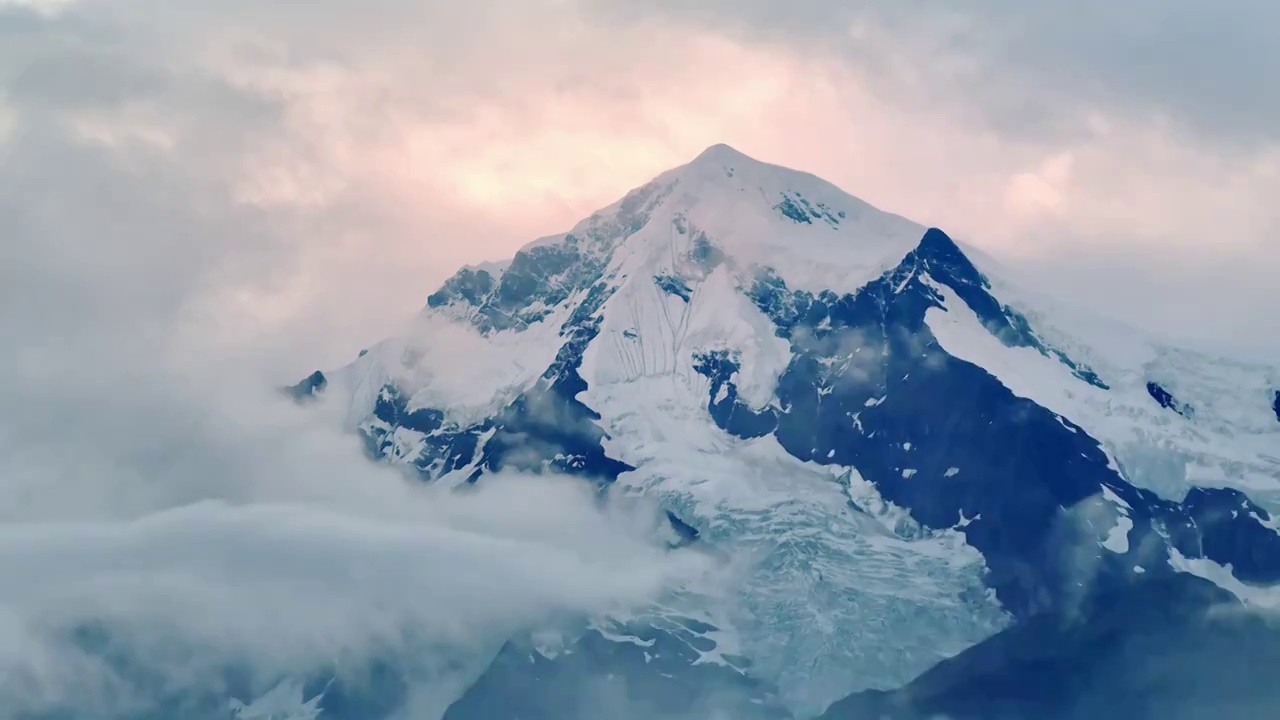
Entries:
{"x":916,"y":452}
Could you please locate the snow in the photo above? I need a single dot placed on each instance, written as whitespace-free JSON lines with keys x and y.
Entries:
{"x":445,"y":363}
{"x":819,"y":556}
{"x":611,"y":636}
{"x":1228,"y":442}
{"x":816,"y":572}
{"x":668,"y":332}
{"x":550,"y":644}
{"x":1252,"y":596}
{"x":1111,"y":495}
{"x":712,"y":191}
{"x":286,"y":701}
{"x":728,"y":199}
{"x":1118,"y":538}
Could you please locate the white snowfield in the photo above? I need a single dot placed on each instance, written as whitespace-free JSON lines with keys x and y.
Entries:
{"x":824,"y":574}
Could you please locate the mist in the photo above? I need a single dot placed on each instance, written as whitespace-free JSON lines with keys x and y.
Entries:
{"x":168,"y":518}
{"x":211,"y":524}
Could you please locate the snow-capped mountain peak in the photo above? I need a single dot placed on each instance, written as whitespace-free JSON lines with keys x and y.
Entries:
{"x":804,"y":227}
{"x":759,"y":213}
{"x":912,"y":452}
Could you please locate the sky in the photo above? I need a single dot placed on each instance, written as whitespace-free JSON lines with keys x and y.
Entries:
{"x":199,"y":201}
{"x":295,"y":178}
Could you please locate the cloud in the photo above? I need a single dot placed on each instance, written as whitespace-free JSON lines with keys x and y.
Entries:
{"x":233,"y":530}
{"x":1032,"y":69}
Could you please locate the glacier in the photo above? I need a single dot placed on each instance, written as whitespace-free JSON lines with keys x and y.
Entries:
{"x":897,"y":448}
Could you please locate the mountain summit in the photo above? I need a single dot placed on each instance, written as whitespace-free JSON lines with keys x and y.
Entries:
{"x":915,"y":451}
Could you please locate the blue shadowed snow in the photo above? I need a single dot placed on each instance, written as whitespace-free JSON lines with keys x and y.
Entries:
{"x":870,"y":387}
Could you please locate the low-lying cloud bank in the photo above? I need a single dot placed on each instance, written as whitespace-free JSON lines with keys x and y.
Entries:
{"x":302,"y":556}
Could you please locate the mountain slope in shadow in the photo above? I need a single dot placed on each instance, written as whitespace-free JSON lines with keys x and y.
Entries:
{"x":1175,"y":648}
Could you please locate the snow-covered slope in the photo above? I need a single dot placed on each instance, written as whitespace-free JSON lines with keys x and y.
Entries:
{"x":904,"y":449}
{"x":1226,"y":434}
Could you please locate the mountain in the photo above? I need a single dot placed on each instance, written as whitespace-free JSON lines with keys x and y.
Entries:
{"x":917,"y":453}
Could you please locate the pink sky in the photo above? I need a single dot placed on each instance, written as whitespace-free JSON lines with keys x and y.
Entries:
{"x":406,"y":141}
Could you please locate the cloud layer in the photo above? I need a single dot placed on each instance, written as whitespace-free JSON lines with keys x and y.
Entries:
{"x":247,"y":535}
